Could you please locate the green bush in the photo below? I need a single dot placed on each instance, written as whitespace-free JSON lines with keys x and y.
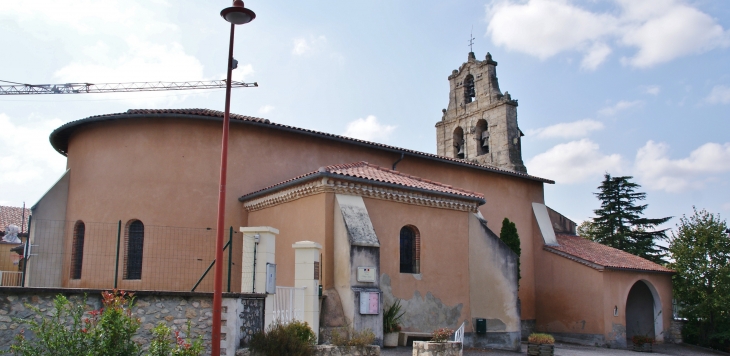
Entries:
{"x":350,"y":337}
{"x":107,"y":331}
{"x":164,"y":344}
{"x":295,"y":339}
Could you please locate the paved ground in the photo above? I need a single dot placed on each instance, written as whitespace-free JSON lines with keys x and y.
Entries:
{"x":576,"y":350}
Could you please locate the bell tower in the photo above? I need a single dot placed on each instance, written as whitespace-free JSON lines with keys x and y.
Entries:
{"x":480,"y":124}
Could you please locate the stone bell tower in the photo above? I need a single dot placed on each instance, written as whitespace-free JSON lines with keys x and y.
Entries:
{"x":480,"y":124}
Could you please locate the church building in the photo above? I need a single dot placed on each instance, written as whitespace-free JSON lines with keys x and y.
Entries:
{"x":389,"y":224}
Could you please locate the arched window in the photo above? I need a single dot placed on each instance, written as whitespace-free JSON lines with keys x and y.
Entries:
{"x":459,"y":147}
{"x":469,"y":91}
{"x":482,"y":137}
{"x":77,"y":250}
{"x":134,"y":241}
{"x":410,"y":250}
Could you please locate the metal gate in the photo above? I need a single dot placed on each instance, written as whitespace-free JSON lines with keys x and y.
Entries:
{"x":289,"y":304}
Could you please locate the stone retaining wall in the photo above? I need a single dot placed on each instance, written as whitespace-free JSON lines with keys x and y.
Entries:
{"x":245,"y":311}
{"x":427,"y":348}
{"x":331,"y":350}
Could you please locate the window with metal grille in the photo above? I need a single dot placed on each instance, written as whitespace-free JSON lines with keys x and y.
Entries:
{"x":410,"y":250}
{"x":77,"y":250}
{"x":134,"y":240}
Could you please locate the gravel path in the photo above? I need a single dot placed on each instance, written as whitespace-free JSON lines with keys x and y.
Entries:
{"x":576,"y":350}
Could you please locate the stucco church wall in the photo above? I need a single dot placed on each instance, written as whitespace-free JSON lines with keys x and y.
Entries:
{"x":299,"y":220}
{"x":165,"y":172}
{"x":571,"y":299}
{"x":444,"y":264}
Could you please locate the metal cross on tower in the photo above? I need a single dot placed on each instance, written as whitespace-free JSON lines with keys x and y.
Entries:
{"x":471,"y":40}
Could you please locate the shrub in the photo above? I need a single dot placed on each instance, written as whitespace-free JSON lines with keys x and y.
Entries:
{"x":391,"y":317}
{"x":441,"y":335}
{"x":294,"y":339}
{"x":164,"y":344}
{"x":541,"y":339}
{"x":351,"y":337}
{"x":107,"y":331}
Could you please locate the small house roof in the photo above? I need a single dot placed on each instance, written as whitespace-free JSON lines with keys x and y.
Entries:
{"x":600,"y":256}
{"x":11,"y":215}
{"x":376,"y":175}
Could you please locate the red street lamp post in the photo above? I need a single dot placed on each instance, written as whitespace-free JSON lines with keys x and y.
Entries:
{"x":236,"y":15}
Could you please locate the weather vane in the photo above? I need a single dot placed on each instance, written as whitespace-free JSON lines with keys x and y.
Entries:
{"x":471,"y":39}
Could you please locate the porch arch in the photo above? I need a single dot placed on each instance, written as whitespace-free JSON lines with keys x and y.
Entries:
{"x":643,"y":311}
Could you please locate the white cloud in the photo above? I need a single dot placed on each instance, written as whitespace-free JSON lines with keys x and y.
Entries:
{"x":369,"y":129}
{"x":622,"y":105}
{"x":304,"y":45}
{"x":527,"y":27}
{"x":266,"y":109}
{"x":595,"y":56}
{"x":575,"y":129}
{"x":652,"y":89}
{"x":720,"y":94}
{"x":574,"y":162}
{"x":26,"y":157}
{"x":659,"y":30}
{"x":657,"y":171}
{"x":111,"y":41}
{"x":663,"y":30}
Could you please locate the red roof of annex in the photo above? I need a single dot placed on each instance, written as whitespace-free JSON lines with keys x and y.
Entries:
{"x":374,"y":173}
{"x":607,"y":257}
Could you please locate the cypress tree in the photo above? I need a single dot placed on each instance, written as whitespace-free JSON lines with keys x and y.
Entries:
{"x":509,"y":235}
{"x":619,"y":222}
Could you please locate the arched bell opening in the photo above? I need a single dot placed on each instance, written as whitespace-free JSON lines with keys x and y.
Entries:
{"x":643,"y":311}
{"x":469,"y":90}
{"x":459,"y":147}
{"x":482,"y":137}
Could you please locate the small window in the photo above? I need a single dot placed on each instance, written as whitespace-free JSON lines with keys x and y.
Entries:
{"x":77,"y":250}
{"x":134,"y":241}
{"x":410,"y":250}
{"x":469,"y":90}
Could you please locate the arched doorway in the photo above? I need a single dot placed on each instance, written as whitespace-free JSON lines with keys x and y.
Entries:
{"x":643,"y":311}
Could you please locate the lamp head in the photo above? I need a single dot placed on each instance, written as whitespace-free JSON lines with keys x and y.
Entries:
{"x":237,"y":14}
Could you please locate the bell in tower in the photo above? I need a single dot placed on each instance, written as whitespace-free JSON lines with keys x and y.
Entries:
{"x":480,"y":123}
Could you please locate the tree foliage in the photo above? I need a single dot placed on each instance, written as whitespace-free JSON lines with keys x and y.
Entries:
{"x":509,"y":235}
{"x":619,"y":222}
{"x":700,"y":250}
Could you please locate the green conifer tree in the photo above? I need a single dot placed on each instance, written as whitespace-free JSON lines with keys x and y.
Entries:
{"x":619,"y":222}
{"x":509,"y":235}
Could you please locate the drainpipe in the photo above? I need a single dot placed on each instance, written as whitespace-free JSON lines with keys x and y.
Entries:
{"x":256,"y":239}
{"x":399,"y":159}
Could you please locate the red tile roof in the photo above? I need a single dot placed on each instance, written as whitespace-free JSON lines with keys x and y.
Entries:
{"x":59,"y":137}
{"x":13,"y":215}
{"x":373,"y":173}
{"x":601,"y":256}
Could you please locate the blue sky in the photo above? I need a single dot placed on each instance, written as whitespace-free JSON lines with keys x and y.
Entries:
{"x":637,"y":88}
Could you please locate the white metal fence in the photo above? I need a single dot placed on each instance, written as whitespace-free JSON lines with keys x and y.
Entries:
{"x":10,"y":278}
{"x":289,"y":304}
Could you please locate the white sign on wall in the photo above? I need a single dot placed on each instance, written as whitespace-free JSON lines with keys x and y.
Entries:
{"x":369,"y":303}
{"x":366,"y":274}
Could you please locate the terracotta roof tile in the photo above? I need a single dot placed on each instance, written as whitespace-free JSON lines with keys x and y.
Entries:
{"x":13,"y":215}
{"x":602,"y":255}
{"x":59,"y":136}
{"x":371,"y":172}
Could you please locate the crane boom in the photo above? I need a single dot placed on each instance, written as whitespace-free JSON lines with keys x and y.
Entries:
{"x":84,"y":88}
